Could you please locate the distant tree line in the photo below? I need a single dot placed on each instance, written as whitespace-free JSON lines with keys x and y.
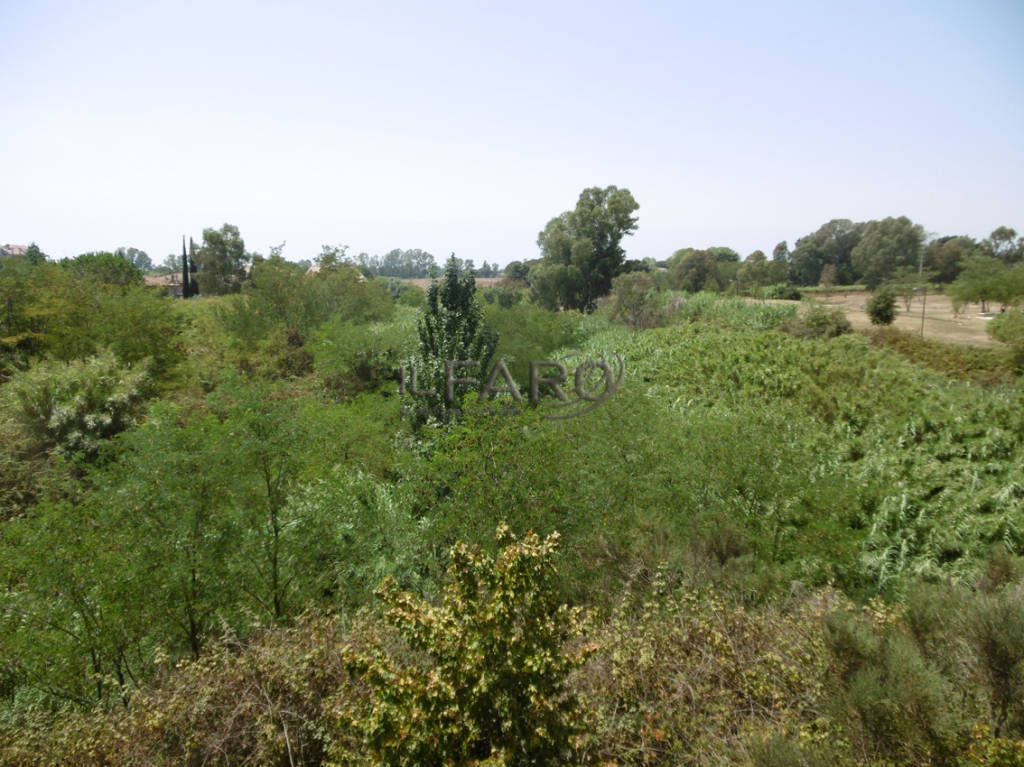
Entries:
{"x":581,"y":254}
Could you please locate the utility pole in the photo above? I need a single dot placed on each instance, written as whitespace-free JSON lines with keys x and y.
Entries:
{"x":924,"y":301}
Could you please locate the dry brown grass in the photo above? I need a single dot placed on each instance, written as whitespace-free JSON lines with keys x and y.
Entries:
{"x":481,"y":282}
{"x":940,"y":322}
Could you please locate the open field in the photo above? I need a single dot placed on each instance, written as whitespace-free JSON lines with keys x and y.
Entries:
{"x":940,"y":323}
{"x":481,"y":282}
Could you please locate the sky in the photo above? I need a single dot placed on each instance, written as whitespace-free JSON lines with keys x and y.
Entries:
{"x":465,"y":126}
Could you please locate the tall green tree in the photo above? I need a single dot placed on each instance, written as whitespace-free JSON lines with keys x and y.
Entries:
{"x":984,"y":279}
{"x":885,"y":246}
{"x":1004,"y":244}
{"x":832,"y":243}
{"x":452,"y":329}
{"x":694,"y":270}
{"x":137,"y":258}
{"x":221,"y":260}
{"x":34,"y":255}
{"x":946,"y":255}
{"x":582,"y":250}
{"x":781,"y":252}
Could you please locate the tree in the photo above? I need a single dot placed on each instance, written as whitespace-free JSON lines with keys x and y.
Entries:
{"x":781,"y":252}
{"x":34,"y":255}
{"x":517,"y":270}
{"x":982,"y":279}
{"x":137,"y":258}
{"x":581,"y":249}
{"x":945,"y":256}
{"x":635,"y":300}
{"x":104,"y":267}
{"x":757,"y":271}
{"x":1000,"y":244}
{"x":882,"y":307}
{"x":221,"y":260}
{"x":489,"y":685}
{"x":452,"y":329}
{"x":885,"y":246}
{"x":906,"y":281}
{"x":832,"y":243}
{"x":694,"y":271}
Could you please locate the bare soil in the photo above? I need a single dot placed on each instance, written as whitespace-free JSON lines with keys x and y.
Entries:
{"x":481,"y":282}
{"x":940,"y":322}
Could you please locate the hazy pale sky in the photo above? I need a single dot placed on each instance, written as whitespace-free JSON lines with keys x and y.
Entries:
{"x":465,"y":127}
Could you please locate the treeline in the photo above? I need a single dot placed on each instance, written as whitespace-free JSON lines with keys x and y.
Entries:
{"x":840,"y":252}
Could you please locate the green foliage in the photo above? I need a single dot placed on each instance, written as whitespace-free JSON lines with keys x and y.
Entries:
{"x":581,"y":249}
{"x":350,"y":357}
{"x":506,"y":296}
{"x":985,"y":366}
{"x":881,"y":307}
{"x":48,"y":310}
{"x":733,"y":312}
{"x":221,"y":260}
{"x":832,"y":243}
{"x":1002,"y":245}
{"x":884,"y":246}
{"x":984,"y":279}
{"x":75,"y":407}
{"x":527,"y":332}
{"x":946,"y":255}
{"x":694,"y":271}
{"x":517,"y":270}
{"x":104,"y":267}
{"x":818,"y":322}
{"x":634,"y":300}
{"x":1008,"y":327}
{"x":495,"y":688}
{"x":781,"y":292}
{"x":399,"y":263}
{"x":451,"y":330}
{"x":281,"y":295}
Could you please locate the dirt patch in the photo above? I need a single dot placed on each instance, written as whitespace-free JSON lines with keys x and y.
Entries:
{"x":940,"y":322}
{"x":481,"y":282}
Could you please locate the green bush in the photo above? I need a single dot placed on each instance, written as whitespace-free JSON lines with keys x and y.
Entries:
{"x":74,"y":407}
{"x":881,"y":307}
{"x":734,"y":312}
{"x":350,"y":357}
{"x":818,"y":322}
{"x":782,"y":292}
{"x":1008,"y":327}
{"x":494,"y":690}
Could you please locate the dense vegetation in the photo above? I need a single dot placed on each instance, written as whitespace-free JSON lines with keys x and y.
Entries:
{"x":228,"y":539}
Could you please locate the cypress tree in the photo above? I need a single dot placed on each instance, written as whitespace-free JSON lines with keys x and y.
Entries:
{"x":185,"y":292}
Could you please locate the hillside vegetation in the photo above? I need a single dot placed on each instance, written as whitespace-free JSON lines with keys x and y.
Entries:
{"x":777,"y":542}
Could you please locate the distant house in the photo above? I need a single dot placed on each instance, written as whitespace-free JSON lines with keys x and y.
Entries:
{"x":171,"y":283}
{"x":13,"y":250}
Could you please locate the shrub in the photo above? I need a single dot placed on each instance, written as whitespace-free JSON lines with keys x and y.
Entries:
{"x":1008,"y":327}
{"x":349,"y":357}
{"x":818,"y":322}
{"x":73,"y":407}
{"x":635,"y":300}
{"x":782,"y":292}
{"x":494,"y":689}
{"x":882,"y":307}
